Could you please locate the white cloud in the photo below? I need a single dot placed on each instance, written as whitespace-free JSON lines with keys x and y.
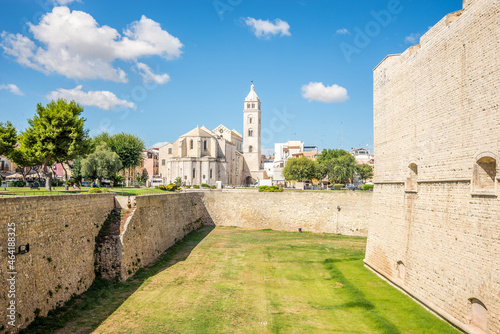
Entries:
{"x":266,"y":29}
{"x":316,"y":91}
{"x":343,"y":31}
{"x":73,"y":44}
{"x":12,"y":88}
{"x":101,"y":99}
{"x":148,"y":76}
{"x":413,"y":38}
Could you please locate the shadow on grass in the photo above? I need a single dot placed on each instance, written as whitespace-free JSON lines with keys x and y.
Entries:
{"x":358,"y":298}
{"x":94,"y":306}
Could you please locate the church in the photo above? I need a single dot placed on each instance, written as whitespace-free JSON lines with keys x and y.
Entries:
{"x":204,"y":156}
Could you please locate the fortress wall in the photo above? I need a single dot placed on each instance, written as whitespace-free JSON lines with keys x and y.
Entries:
{"x":60,"y":231}
{"x":438,"y":108}
{"x":312,"y":211}
{"x":159,"y":221}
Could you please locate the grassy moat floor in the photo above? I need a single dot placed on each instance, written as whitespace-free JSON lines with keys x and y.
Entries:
{"x":232,"y":280}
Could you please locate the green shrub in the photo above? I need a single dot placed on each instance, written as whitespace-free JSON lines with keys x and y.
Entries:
{"x":213,"y":187}
{"x":17,"y":183}
{"x":187,"y":186}
{"x":204,"y":185}
{"x":97,"y":190}
{"x":338,"y":186}
{"x":171,"y":187}
{"x":196,"y":186}
{"x":162,"y":187}
{"x":56,"y":183}
{"x":368,"y":187}
{"x":360,"y":186}
{"x":270,"y":189}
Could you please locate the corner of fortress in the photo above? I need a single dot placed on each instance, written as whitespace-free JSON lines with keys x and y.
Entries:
{"x":433,"y":33}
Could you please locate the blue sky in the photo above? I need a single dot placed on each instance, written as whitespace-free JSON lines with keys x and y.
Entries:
{"x":159,"y":68}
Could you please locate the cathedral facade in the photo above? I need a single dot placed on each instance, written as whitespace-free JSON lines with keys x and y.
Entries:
{"x":204,"y":156}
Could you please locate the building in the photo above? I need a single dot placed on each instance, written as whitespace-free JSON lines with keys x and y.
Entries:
{"x":434,"y":230}
{"x":207,"y":156}
{"x":252,"y":131}
{"x":204,"y":156}
{"x":285,"y":151}
{"x":362,"y":156}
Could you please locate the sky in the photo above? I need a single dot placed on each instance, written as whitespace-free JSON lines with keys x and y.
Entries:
{"x":159,"y":68}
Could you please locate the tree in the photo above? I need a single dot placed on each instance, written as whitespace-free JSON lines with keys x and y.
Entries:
{"x":116,"y":179}
{"x":178,"y":181}
{"x":103,"y":163}
{"x":128,"y":147}
{"x":340,"y":166}
{"x":24,"y":163}
{"x":76,"y":170}
{"x":55,"y":134}
{"x":142,"y":177}
{"x":300,"y":169}
{"x":364,"y":171}
{"x":8,"y":138}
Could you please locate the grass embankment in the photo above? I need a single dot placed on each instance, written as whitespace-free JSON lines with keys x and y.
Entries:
{"x":231,"y":280}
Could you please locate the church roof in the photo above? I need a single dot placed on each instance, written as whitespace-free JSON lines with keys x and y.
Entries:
{"x":198,"y":132}
{"x":252,"y":96}
{"x":236,"y":133}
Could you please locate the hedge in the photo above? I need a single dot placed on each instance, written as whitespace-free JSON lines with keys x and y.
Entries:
{"x":368,"y":187}
{"x":270,"y":189}
{"x":338,"y":186}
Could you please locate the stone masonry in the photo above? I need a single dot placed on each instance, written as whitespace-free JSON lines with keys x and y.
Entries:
{"x":73,"y":236}
{"x":435,"y":222}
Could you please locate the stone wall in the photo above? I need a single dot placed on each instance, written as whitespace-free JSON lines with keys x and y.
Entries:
{"x":312,"y":211}
{"x":158,"y":222}
{"x":64,"y":233}
{"x":436,"y":108}
{"x":60,"y":231}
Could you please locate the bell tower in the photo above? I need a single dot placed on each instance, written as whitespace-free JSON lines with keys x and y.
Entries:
{"x":252,"y":132}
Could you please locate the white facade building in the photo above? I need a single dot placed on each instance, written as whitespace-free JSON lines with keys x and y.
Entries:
{"x":207,"y":156}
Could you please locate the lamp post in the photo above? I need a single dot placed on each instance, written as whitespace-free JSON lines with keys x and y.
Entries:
{"x":338,"y":211}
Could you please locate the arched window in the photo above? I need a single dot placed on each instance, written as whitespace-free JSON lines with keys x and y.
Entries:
{"x":479,"y":314}
{"x":192,"y":144}
{"x":250,"y":133}
{"x":485,"y":172}
{"x":250,"y":119}
{"x":250,"y":149}
{"x":411,"y":180}
{"x":401,"y":270}
{"x":205,"y":145}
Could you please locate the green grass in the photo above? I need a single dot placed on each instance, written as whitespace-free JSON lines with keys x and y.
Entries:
{"x":231,"y":280}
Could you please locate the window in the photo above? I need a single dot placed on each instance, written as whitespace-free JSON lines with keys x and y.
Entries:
{"x":211,"y":174}
{"x":250,"y":119}
{"x":248,"y":105}
{"x":485,"y":172}
{"x":192,"y":144}
{"x":479,"y":314}
{"x":411,"y":180}
{"x":205,"y":145}
{"x":250,"y":149}
{"x":194,"y":173}
{"x":163,"y":162}
{"x":253,"y":105}
{"x":203,"y":176}
{"x":401,"y":270}
{"x":169,"y":150}
{"x":150,"y":155}
{"x":250,"y":133}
